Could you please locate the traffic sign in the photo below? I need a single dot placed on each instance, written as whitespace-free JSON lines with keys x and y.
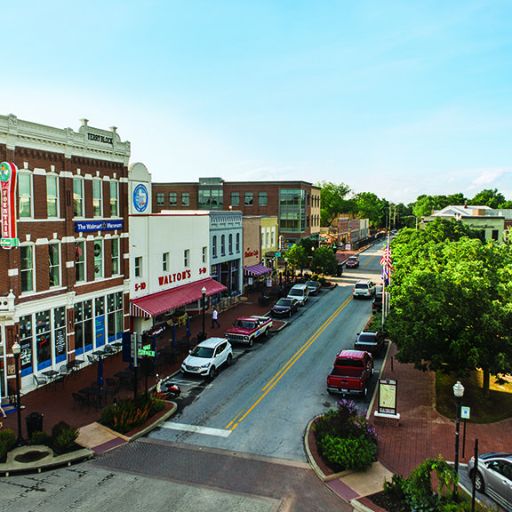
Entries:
{"x":146,"y":351}
{"x":465,"y":412}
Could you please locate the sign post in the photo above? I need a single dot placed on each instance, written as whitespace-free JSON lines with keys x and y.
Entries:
{"x":465,"y":413}
{"x":387,"y":406}
{"x":134,"y":354}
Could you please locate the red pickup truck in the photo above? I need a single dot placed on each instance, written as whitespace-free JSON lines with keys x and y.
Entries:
{"x":351,"y":373}
{"x":248,"y":328}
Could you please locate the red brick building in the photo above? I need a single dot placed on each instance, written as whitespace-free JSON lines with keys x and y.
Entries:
{"x":295,"y":203}
{"x":64,"y":289}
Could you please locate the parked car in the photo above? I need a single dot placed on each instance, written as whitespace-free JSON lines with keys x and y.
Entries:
{"x":299,"y":292}
{"x":351,"y":373}
{"x":352,"y":262}
{"x":207,"y":357}
{"x":377,"y":304}
{"x":494,"y":476}
{"x":364,"y":289}
{"x":313,"y":287}
{"x":249,"y":328}
{"x":370,"y":341}
{"x":285,"y":307}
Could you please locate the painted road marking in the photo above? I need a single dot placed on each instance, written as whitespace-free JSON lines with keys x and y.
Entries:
{"x":233,"y":424}
{"x":196,"y":429}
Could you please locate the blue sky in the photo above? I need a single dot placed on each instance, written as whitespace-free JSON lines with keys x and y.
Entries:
{"x":400,"y":98}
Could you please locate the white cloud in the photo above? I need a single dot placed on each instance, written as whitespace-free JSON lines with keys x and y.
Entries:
{"x":487,"y":177}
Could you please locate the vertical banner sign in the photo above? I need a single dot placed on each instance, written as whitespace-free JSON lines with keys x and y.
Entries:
{"x":8,"y":172}
{"x":387,"y":396}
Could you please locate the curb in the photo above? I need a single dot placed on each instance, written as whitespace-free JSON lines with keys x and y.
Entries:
{"x":155,"y":424}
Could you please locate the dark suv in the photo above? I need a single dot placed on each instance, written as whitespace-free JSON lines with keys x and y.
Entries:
{"x":373,"y":342}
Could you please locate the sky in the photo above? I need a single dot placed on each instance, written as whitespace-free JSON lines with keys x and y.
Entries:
{"x":399,"y":98}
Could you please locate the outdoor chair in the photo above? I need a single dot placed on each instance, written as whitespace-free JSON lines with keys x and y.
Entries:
{"x":92,"y":359}
{"x":39,"y":380}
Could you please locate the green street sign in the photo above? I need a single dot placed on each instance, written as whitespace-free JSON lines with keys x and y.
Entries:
{"x":277,"y":254}
{"x":146,"y":351}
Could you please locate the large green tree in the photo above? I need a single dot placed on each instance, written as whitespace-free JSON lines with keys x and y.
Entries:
{"x":451,"y":301}
{"x":296,"y":257}
{"x":334,"y":200}
{"x":369,"y":206}
{"x":424,"y":205}
{"x":324,"y":261}
{"x":489,"y":197}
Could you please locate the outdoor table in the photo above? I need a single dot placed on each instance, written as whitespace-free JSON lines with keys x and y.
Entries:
{"x":118,"y":345}
{"x":75,"y":364}
{"x":100,"y":353}
{"x":51,"y":374}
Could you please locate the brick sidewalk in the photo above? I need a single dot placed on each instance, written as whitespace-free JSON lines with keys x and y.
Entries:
{"x":423,"y":432}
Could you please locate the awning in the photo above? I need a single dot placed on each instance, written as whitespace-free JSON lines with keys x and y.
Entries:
{"x":158,"y":303}
{"x":257,"y":270}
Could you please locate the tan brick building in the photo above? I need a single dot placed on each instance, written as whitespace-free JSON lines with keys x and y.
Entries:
{"x":64,"y":289}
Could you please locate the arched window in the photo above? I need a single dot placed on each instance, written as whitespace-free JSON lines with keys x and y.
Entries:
{"x":230,"y":244}
{"x":223,"y":245}
{"x":214,"y":246}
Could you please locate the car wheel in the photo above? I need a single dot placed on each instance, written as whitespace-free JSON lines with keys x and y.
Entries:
{"x":251,"y":342}
{"x":213,"y":373}
{"x":289,"y":313}
{"x":229,"y":360}
{"x":479,"y":482}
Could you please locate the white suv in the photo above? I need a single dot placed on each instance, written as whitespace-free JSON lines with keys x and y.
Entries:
{"x":300,"y":293}
{"x":207,"y":357}
{"x":365,"y":289}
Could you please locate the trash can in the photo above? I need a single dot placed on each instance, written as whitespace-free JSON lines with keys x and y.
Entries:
{"x":34,"y":423}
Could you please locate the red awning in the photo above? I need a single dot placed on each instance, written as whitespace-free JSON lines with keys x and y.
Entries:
{"x":158,"y":303}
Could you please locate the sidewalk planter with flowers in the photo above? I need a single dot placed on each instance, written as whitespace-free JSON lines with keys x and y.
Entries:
{"x":345,"y":440}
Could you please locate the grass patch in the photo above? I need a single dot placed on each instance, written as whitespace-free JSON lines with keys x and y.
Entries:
{"x":484,"y":409}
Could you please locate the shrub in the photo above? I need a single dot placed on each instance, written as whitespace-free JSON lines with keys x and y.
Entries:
{"x":7,"y":442}
{"x":157,"y":405}
{"x":63,"y":438}
{"x":128,"y":414}
{"x":345,"y":453}
{"x":40,"y":438}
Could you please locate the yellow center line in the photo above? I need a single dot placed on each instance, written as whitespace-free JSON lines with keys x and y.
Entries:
{"x":233,"y":424}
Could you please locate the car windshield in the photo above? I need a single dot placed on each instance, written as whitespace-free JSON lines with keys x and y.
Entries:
{"x":367,"y":338}
{"x":312,"y":284}
{"x":296,"y":293}
{"x":245,"y":324}
{"x":356,"y":363}
{"x":199,"y":351}
{"x":352,"y":258}
{"x":284,"y":302}
{"x":362,"y":286}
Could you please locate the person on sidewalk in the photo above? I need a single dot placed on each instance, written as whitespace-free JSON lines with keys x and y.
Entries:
{"x":215,"y":318}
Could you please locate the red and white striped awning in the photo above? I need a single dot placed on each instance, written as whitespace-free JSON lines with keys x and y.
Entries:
{"x":158,"y":303}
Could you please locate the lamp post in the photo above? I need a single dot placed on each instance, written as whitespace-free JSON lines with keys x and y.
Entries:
{"x":16,"y":350}
{"x":203,"y":333}
{"x":458,"y":393}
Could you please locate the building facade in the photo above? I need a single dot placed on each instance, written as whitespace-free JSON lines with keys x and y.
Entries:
{"x":64,"y":288}
{"x":296,"y":204}
{"x":269,"y":228}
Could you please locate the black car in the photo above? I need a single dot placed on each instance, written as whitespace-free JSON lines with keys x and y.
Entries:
{"x":285,"y":307}
{"x":369,"y":341}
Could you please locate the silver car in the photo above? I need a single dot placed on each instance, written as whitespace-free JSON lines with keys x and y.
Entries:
{"x":494,"y":476}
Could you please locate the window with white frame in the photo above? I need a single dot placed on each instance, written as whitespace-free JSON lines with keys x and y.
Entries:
{"x":173,"y":198}
{"x":54,"y":263}
{"x":98,"y":258}
{"x":116,"y":263}
{"x":78,"y":197}
{"x":160,"y":197}
{"x":99,"y":321}
{"x":25,"y":195}
{"x":26,"y":340}
{"x":137,"y":268}
{"x":185,"y":198}
{"x":27,"y":268}
{"x":205,"y":255}
{"x":97,"y":198}
{"x":80,"y":261}
{"x":114,"y":198}
{"x":165,"y":262}
{"x":267,"y":238}
{"x":52,"y":195}
{"x":43,"y":339}
{"x":83,"y":327}
{"x":114,"y":316}
{"x":186,"y":258}
{"x":262,"y":234}
{"x":59,"y":333}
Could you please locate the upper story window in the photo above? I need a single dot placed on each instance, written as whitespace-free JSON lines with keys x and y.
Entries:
{"x":54,"y":263}
{"x":25,"y":194}
{"x":230,"y":243}
{"x":214,"y":246}
{"x":186,"y":257}
{"x":238,"y":242}
{"x":137,"y":269}
{"x":248,"y":198}
{"x":52,"y":195}
{"x":235,"y":198}
{"x":223,"y":245}
{"x":203,"y":259}
{"x":114,"y":199}
{"x":116,"y":261}
{"x":79,"y":261}
{"x":262,"y":198}
{"x":185,"y":198}
{"x":273,"y":237}
{"x":98,"y":259}
{"x":165,"y":262}
{"x":78,"y":197}
{"x":27,"y":268}
{"x":173,"y":198}
{"x":97,"y":198}
{"x":160,"y":197}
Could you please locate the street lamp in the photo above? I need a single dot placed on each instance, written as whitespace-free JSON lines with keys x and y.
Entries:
{"x":458,"y":393}
{"x":203,"y":333}
{"x":16,"y":350}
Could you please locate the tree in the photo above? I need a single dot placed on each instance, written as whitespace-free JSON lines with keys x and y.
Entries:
{"x":450,"y":303}
{"x":489,"y":197}
{"x":333,"y":201}
{"x":424,"y":204}
{"x":296,"y":257}
{"x":324,"y":261}
{"x":369,"y":206}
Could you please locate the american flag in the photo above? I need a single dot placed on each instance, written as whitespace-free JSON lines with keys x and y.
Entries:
{"x":386,"y":263}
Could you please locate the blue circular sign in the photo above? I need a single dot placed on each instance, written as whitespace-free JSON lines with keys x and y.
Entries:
{"x":140,"y":198}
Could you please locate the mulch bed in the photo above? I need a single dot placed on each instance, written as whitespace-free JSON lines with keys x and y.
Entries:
{"x":167,"y":407}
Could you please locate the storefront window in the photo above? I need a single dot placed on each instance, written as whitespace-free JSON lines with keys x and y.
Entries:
{"x":83,"y":327}
{"x":99,"y":321}
{"x":26,"y":334}
{"x":115,"y":316}
{"x":43,"y":339}
{"x":59,"y":332}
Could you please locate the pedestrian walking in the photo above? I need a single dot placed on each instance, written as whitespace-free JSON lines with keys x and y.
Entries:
{"x":215,"y":318}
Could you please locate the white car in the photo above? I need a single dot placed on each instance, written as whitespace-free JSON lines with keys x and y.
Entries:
{"x":300,"y":293}
{"x":365,"y":289}
{"x":207,"y":357}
